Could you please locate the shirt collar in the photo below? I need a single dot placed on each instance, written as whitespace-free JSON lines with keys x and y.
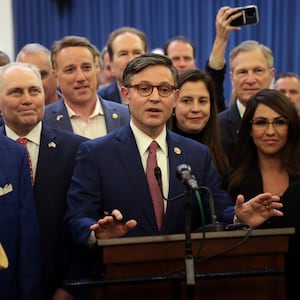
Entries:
{"x":33,"y":136}
{"x":241,"y":108}
{"x":143,"y":141}
{"x":98,"y":110}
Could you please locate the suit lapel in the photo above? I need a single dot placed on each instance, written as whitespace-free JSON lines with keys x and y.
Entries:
{"x":62,"y":119}
{"x":177,"y":156}
{"x":111,"y":115}
{"x":135,"y":172}
{"x":47,"y":153}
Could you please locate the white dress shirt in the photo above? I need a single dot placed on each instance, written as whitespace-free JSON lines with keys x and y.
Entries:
{"x":33,"y":144}
{"x":94,"y":127}
{"x":143,"y":142}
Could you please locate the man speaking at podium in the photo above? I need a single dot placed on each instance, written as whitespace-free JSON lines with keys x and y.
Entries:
{"x":113,"y":194}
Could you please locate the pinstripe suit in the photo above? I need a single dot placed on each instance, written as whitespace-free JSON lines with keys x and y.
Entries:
{"x":55,"y":166}
{"x":19,"y":230}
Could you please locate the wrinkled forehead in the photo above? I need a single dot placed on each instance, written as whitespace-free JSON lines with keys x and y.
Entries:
{"x":249,"y":59}
{"x":19,"y":76}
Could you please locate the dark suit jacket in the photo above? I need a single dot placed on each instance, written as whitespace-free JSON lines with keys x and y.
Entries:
{"x":19,"y":232}
{"x":229,"y":121}
{"x":115,"y":114}
{"x":111,"y":92}
{"x":218,"y":77}
{"x":291,"y":206}
{"x":55,"y":167}
{"x":109,"y":173}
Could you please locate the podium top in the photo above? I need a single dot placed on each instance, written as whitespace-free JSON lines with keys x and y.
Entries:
{"x":194,"y":236}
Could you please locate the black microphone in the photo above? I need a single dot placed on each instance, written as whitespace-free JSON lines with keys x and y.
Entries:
{"x":157,"y":174}
{"x":184,"y":173}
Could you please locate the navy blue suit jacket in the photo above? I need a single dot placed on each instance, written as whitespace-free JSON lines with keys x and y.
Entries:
{"x":111,"y":92}
{"x":109,"y":174}
{"x":55,"y":167}
{"x":229,"y":121}
{"x":115,"y":114}
{"x":19,"y":230}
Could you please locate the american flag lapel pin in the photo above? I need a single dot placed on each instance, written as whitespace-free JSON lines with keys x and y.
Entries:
{"x":59,"y":117}
{"x":51,"y":145}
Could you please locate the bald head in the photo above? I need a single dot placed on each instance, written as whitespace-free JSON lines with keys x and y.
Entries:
{"x":21,"y":97}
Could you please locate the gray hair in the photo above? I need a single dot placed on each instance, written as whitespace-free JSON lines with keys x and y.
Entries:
{"x":34,"y":48}
{"x":252,"y":45}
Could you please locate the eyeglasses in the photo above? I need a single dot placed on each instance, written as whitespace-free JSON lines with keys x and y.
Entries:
{"x":263,"y":124}
{"x":145,"y":89}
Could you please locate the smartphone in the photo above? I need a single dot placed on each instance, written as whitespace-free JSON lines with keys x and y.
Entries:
{"x":249,"y":16}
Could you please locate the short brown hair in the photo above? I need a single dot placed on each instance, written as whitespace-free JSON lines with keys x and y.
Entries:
{"x":71,"y":41}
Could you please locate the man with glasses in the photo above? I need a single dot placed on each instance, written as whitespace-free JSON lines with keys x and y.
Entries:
{"x":107,"y":200}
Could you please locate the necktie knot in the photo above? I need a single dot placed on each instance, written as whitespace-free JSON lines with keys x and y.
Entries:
{"x":22,"y":141}
{"x":153,"y":147}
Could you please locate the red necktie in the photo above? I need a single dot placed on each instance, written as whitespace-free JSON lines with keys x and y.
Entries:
{"x":155,"y":192}
{"x":23,"y":142}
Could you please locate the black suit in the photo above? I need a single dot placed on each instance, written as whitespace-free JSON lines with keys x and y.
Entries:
{"x":111,"y":92}
{"x":218,"y":77}
{"x":229,"y":121}
{"x":291,"y":207}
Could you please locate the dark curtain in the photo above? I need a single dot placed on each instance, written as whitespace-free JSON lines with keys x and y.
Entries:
{"x":45,"y":21}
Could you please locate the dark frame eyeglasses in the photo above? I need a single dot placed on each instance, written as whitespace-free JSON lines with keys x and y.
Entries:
{"x":263,"y":123}
{"x":145,"y":90}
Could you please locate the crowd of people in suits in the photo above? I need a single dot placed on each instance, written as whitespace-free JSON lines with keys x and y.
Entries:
{"x":88,"y":142}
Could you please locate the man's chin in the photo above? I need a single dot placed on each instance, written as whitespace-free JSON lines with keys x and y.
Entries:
{"x":30,"y":121}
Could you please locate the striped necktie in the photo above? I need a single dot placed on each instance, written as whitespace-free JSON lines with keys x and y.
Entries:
{"x":23,"y":142}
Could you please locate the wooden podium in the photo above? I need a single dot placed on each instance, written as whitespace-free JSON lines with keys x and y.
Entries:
{"x":154,"y":267}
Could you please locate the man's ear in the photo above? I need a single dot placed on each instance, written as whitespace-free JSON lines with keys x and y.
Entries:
{"x":125,"y":94}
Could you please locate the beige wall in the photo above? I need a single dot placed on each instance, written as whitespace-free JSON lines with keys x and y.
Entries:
{"x":6,"y":28}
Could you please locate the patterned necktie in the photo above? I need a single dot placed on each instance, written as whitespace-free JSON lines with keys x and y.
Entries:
{"x":155,"y":192}
{"x":23,"y":142}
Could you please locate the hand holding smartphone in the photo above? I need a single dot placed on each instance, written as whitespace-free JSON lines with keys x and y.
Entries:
{"x":249,"y":16}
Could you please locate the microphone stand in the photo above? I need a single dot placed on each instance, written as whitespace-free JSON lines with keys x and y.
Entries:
{"x":189,"y":259}
{"x":215,"y":226}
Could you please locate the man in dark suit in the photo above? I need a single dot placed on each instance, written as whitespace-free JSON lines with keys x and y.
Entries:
{"x":251,"y":70}
{"x":108,"y":199}
{"x":52,"y":153}
{"x":19,"y":234}
{"x":81,"y":110}
{"x":130,"y":42}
